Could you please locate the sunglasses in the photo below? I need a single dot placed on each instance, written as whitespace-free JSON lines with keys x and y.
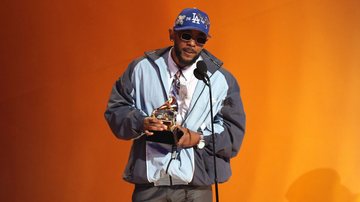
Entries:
{"x":201,"y":40}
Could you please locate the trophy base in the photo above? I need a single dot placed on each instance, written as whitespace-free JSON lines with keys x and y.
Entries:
{"x":167,"y":137}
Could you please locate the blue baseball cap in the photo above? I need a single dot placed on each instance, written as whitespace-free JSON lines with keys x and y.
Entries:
{"x":192,"y":18}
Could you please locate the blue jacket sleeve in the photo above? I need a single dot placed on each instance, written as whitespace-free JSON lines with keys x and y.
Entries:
{"x":124,"y":119}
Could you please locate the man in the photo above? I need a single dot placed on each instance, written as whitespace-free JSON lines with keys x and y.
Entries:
{"x":183,"y":170}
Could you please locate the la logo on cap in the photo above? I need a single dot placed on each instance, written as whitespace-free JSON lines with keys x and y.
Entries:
{"x":192,"y":18}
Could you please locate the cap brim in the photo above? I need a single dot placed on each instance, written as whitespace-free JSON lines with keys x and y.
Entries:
{"x":190,"y":28}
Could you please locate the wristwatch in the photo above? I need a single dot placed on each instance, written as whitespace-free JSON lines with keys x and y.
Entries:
{"x":201,"y":143}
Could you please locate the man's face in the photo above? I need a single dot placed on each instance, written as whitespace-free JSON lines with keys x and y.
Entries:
{"x":187,"y":46}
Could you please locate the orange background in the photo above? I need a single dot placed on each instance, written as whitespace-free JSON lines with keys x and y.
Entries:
{"x":297,"y":63}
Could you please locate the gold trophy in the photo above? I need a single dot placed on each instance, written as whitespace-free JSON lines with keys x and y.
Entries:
{"x":167,"y":114}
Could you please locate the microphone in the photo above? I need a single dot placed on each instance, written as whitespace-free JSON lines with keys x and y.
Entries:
{"x":200,"y":72}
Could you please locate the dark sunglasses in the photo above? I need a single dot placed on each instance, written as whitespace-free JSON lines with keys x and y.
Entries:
{"x":201,"y":40}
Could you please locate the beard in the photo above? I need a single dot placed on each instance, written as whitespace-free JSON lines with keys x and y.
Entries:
{"x":183,"y":62}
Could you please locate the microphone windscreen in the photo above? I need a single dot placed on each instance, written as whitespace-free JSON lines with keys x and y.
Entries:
{"x":200,"y":70}
{"x":201,"y":66}
{"x":198,"y":74}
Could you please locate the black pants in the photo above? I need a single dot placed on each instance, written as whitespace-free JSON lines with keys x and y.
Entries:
{"x":180,"y":193}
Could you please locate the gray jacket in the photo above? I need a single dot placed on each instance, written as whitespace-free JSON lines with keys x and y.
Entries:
{"x":144,"y":87}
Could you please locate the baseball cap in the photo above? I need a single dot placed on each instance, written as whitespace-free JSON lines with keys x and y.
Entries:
{"x":192,"y":18}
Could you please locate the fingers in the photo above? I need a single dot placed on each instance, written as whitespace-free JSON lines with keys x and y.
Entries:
{"x":148,"y":133}
{"x":181,"y":141}
{"x":184,"y":140}
{"x":189,"y":139}
{"x":153,"y":124}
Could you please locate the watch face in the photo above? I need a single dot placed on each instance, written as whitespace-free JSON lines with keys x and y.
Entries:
{"x":201,"y":144}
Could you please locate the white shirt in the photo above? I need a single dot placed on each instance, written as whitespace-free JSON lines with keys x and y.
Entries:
{"x":187,"y":85}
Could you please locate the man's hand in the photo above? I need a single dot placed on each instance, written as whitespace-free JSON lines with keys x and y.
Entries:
{"x":189,"y":139}
{"x":153,"y":124}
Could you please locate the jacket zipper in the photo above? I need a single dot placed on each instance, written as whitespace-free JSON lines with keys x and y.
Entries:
{"x":173,"y":156}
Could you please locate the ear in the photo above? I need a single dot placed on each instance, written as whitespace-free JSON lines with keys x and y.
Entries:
{"x":171,"y":34}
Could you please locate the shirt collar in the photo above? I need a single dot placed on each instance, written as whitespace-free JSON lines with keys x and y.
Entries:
{"x":187,"y":72}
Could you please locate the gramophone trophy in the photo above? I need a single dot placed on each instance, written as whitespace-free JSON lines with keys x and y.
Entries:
{"x":167,"y":114}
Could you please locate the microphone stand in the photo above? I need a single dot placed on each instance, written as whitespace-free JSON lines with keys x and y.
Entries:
{"x":207,"y":82}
